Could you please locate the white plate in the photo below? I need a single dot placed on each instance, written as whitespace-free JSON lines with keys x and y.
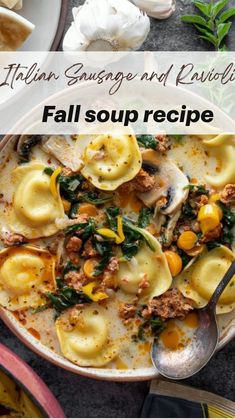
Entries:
{"x":49,"y":17}
{"x":45,"y":15}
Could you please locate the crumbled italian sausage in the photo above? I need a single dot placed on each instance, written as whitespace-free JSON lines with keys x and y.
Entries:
{"x":12,"y":239}
{"x":76,"y":280}
{"x":170,"y":305}
{"x":162,"y":143}
{"x":228,"y":194}
{"x":73,"y":244}
{"x":127,"y":311}
{"x":213,"y":234}
{"x":89,"y":251}
{"x":141,"y":183}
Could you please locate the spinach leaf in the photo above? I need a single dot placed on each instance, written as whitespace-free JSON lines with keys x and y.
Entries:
{"x":130,"y":248}
{"x":157,"y":326}
{"x":228,"y":215}
{"x":132,"y":243}
{"x":111,"y":214}
{"x":60,"y":282}
{"x":185,"y":258}
{"x":48,"y":171}
{"x":144,"y":217}
{"x":105,"y":248}
{"x":85,"y":230}
{"x":69,"y":186}
{"x":198,"y":189}
{"x":128,"y":225}
{"x":67,"y":297}
{"x":101,"y":266}
{"x":147,"y":141}
{"x":95,"y":198}
{"x":134,"y":237}
{"x":74,"y":210}
{"x":188,"y":211}
{"x":228,"y":222}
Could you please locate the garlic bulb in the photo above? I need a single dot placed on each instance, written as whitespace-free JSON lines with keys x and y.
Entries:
{"x":107,"y":25}
{"x":159,"y":9}
{"x":12,"y":4}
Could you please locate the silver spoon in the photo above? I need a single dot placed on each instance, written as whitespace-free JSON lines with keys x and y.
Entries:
{"x":183,"y":363}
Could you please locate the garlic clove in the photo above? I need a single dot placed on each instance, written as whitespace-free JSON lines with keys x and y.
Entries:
{"x":106,"y":25}
{"x":159,"y":9}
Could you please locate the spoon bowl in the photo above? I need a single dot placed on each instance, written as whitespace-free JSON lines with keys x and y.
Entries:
{"x":184,"y":362}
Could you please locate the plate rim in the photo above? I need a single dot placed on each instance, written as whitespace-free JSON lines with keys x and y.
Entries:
{"x":129,"y":375}
{"x":61,"y":25}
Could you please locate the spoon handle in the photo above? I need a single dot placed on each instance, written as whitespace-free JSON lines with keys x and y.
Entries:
{"x":222,"y":285}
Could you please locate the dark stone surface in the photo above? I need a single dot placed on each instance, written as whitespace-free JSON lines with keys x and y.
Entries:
{"x":172,"y":34}
{"x":82,"y":397}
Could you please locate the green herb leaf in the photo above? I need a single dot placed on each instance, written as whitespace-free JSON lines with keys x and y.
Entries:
{"x":223,"y":30}
{"x":73,"y":213}
{"x":197,"y":189}
{"x":145,"y":217}
{"x":48,"y":171}
{"x":147,"y":236}
{"x":69,"y":186}
{"x":199,"y":20}
{"x":96,"y":198}
{"x":213,"y":27}
{"x":147,"y":141}
{"x":157,"y":326}
{"x":228,"y":215}
{"x":85,"y":230}
{"x":226,"y":15}
{"x":188,"y":211}
{"x":205,"y":8}
{"x":67,"y":297}
{"x":111,"y":214}
{"x":217,"y":7}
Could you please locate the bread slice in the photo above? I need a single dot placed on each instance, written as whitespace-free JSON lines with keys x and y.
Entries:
{"x":12,"y":4}
{"x":14,"y":30}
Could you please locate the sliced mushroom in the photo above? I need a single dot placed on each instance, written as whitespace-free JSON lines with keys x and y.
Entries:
{"x":169,"y":232}
{"x":169,"y":190}
{"x":25,"y":145}
{"x":62,"y":148}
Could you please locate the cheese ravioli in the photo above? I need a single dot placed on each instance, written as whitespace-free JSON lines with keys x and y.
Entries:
{"x":35,"y":209}
{"x":85,"y":337}
{"x":201,"y":278}
{"x":109,"y":160}
{"x":149,"y":266}
{"x":223,"y":148}
{"x":26,"y":273}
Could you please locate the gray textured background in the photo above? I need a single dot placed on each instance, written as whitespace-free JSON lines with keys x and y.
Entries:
{"x":82,"y":397}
